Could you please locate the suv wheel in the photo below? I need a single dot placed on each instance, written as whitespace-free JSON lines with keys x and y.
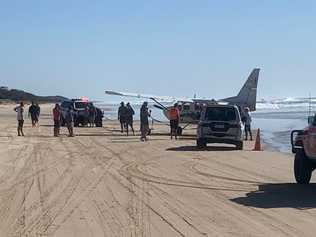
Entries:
{"x":201,"y":143}
{"x":239,"y":145}
{"x":302,"y":168}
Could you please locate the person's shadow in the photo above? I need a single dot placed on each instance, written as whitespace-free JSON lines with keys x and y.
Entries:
{"x":283,"y":195}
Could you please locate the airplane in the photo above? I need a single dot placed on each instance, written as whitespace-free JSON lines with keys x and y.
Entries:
{"x":190,"y":109}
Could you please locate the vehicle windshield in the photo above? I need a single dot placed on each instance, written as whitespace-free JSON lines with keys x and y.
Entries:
{"x":221,"y":114}
{"x":80,"y":105}
{"x":66,"y":104}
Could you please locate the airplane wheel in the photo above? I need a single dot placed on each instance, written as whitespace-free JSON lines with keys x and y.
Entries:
{"x":179,"y":131}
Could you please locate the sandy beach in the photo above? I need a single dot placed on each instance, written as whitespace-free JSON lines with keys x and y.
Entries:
{"x":102,"y":183}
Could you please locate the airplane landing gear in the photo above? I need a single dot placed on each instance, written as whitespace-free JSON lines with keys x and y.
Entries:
{"x":179,"y":131}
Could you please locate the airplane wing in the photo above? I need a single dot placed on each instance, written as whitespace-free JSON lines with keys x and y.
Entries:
{"x":163,"y":99}
{"x":205,"y":101}
{"x":247,"y":96}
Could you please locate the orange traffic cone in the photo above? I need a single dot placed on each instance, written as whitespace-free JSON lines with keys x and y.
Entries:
{"x":258,"y":142}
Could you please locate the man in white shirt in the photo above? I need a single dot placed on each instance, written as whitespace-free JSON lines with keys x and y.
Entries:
{"x":20,"y":117}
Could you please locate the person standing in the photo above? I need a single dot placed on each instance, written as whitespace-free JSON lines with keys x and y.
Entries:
{"x":33,"y":114}
{"x":122,"y":111}
{"x":38,"y":112}
{"x":57,"y":117}
{"x":247,"y":123}
{"x":20,"y":117}
{"x":69,"y":119}
{"x":144,"y":123}
{"x":99,"y":118}
{"x":129,"y":118}
{"x":92,"y":115}
{"x":174,"y":116}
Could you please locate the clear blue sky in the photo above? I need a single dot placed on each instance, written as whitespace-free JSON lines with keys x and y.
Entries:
{"x":163,"y":47}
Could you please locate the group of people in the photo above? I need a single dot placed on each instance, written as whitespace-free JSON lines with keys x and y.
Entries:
{"x":34,"y":113}
{"x":126,"y":113}
{"x":125,"y":116}
{"x":68,"y":119}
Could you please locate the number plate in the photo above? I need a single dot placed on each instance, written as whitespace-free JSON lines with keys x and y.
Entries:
{"x":219,"y":126}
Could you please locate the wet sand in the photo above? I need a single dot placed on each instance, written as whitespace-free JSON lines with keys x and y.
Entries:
{"x":102,"y":183}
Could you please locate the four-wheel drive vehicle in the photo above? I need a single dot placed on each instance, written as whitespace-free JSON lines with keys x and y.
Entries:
{"x":81,"y":111}
{"x":220,"y":124}
{"x":304,"y":146}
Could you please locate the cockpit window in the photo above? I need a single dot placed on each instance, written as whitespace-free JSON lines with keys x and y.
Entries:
{"x":186,"y":107}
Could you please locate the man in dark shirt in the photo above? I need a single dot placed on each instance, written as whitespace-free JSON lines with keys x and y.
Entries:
{"x":122,"y":113}
{"x":33,"y":113}
{"x":144,"y":123}
{"x":129,"y":118}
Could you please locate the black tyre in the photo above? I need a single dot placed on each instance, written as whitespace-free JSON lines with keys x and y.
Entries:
{"x":239,"y":145}
{"x":201,"y":143}
{"x":179,"y":131}
{"x":303,"y":168}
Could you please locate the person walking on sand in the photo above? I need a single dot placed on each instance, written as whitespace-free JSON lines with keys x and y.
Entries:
{"x":144,"y":123}
{"x":20,"y":117}
{"x":69,"y":119}
{"x":129,"y":118}
{"x":174,"y":116}
{"x":38,"y":113}
{"x":122,"y":112}
{"x":33,"y":114}
{"x":247,"y":123}
{"x":57,"y":117}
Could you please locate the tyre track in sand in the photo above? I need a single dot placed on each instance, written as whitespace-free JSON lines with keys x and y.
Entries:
{"x":76,"y":191}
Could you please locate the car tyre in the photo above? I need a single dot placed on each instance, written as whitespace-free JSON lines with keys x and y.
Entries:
{"x":239,"y":145}
{"x":303,"y":168}
{"x":201,"y":143}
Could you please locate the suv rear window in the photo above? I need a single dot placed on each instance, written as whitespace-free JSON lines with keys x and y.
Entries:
{"x":80,"y":105}
{"x":220,"y":114}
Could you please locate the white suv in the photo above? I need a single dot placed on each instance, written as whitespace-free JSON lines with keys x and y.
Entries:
{"x":220,"y":124}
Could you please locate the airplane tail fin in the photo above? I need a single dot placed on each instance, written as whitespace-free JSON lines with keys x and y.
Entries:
{"x":247,"y":96}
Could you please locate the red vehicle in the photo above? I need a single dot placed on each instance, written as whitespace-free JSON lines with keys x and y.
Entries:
{"x":304,"y":146}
